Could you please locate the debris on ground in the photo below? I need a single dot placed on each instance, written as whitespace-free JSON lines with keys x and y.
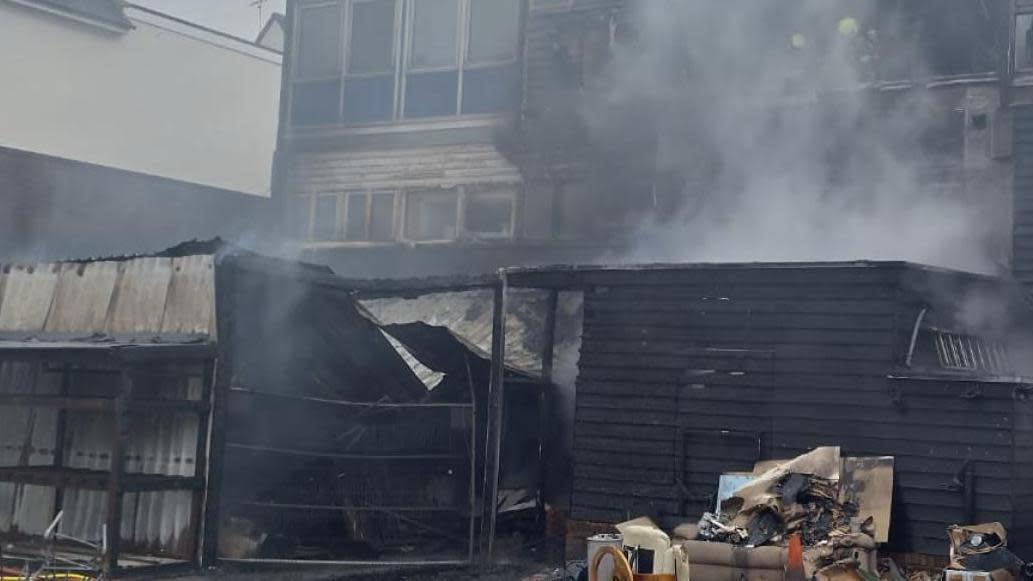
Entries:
{"x":982,"y":549}
{"x":821,"y":496}
{"x":819,"y":517}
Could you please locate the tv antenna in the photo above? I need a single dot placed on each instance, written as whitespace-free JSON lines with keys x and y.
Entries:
{"x":260,"y":5}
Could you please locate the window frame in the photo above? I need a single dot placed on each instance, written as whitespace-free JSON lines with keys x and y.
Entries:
{"x":402,"y":45}
{"x":338,"y":227}
{"x":346,"y":58}
{"x":296,"y":45}
{"x":295,"y":52}
{"x":1022,"y":10}
{"x":400,"y":201}
{"x":305,"y":204}
{"x":406,"y":236}
{"x":407,"y":68}
{"x":508,"y":192}
{"x":367,"y":218}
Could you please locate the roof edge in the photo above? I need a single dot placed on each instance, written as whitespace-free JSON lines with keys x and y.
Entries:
{"x":514,"y":275}
{"x":119,"y":25}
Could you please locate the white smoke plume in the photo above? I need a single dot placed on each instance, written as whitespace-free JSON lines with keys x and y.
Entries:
{"x":781,"y":148}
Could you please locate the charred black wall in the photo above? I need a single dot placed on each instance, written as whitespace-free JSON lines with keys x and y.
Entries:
{"x":294,"y":347}
{"x":685,"y":374}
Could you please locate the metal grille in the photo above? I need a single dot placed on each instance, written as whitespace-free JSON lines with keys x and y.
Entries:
{"x":968,"y":353}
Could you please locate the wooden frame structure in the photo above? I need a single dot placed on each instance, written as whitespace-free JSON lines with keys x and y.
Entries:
{"x":130,"y":401}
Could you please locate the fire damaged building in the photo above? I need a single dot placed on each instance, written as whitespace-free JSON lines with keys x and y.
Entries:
{"x":207,"y":405}
{"x":441,"y":137}
{"x":429,"y":382}
{"x":688,"y":372}
{"x":423,"y":137}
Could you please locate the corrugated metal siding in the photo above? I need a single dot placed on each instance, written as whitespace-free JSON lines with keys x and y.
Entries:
{"x":1022,"y":240}
{"x":28,"y":292}
{"x":82,"y":297}
{"x":141,"y":297}
{"x":149,"y":296}
{"x":798,"y":356}
{"x":163,"y":444}
{"x":399,"y":168}
{"x":27,"y":437}
{"x":190,"y":305}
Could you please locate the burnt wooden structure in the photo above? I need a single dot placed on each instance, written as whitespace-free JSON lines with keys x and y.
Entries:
{"x":690,"y":371}
{"x":130,"y":387}
{"x":171,"y":397}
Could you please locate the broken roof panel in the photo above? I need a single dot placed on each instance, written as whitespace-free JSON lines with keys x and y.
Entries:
{"x":82,"y":297}
{"x":28,"y":291}
{"x":190,"y":306}
{"x":430,"y":377}
{"x":468,"y":316}
{"x":150,"y":296}
{"x":142,"y":296}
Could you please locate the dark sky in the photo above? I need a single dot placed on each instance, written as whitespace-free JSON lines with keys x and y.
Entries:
{"x":236,"y":17}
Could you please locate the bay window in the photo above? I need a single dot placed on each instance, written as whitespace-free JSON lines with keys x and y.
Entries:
{"x":371,"y":61}
{"x":482,"y":212}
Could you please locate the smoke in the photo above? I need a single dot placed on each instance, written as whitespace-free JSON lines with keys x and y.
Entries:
{"x":778,"y":147}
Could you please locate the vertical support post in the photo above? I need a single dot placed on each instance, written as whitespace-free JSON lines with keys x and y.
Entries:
{"x":473,"y":463}
{"x":496,"y":396}
{"x":59,"y":436}
{"x":120,"y":433}
{"x":545,"y":401}
{"x":549,"y":342}
{"x":1006,"y":67}
{"x":226,"y":322}
{"x":201,"y":458}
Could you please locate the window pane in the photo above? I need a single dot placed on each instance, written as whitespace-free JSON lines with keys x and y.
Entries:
{"x":298,"y":216}
{"x":382,"y":217}
{"x":434,"y":33}
{"x":490,"y":90}
{"x":959,"y":36}
{"x":431,"y":215}
{"x":573,"y":219}
{"x":372,"y":38}
{"x":316,"y":103}
{"x":319,"y":35}
{"x":431,"y":94}
{"x":368,"y":100}
{"x":355,"y":227}
{"x":493,"y":30}
{"x":324,"y":227}
{"x":897,"y":42}
{"x":1024,"y":41}
{"x":489,"y":216}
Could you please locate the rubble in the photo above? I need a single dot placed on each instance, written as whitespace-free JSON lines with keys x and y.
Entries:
{"x":983,"y":549}
{"x":813,"y":495}
{"x":817,"y":517}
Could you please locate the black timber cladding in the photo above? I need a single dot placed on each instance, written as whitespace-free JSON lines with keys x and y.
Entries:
{"x":687,"y":373}
{"x":1022,"y":241}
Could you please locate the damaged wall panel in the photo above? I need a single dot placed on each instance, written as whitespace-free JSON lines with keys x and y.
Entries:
{"x":687,"y":373}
